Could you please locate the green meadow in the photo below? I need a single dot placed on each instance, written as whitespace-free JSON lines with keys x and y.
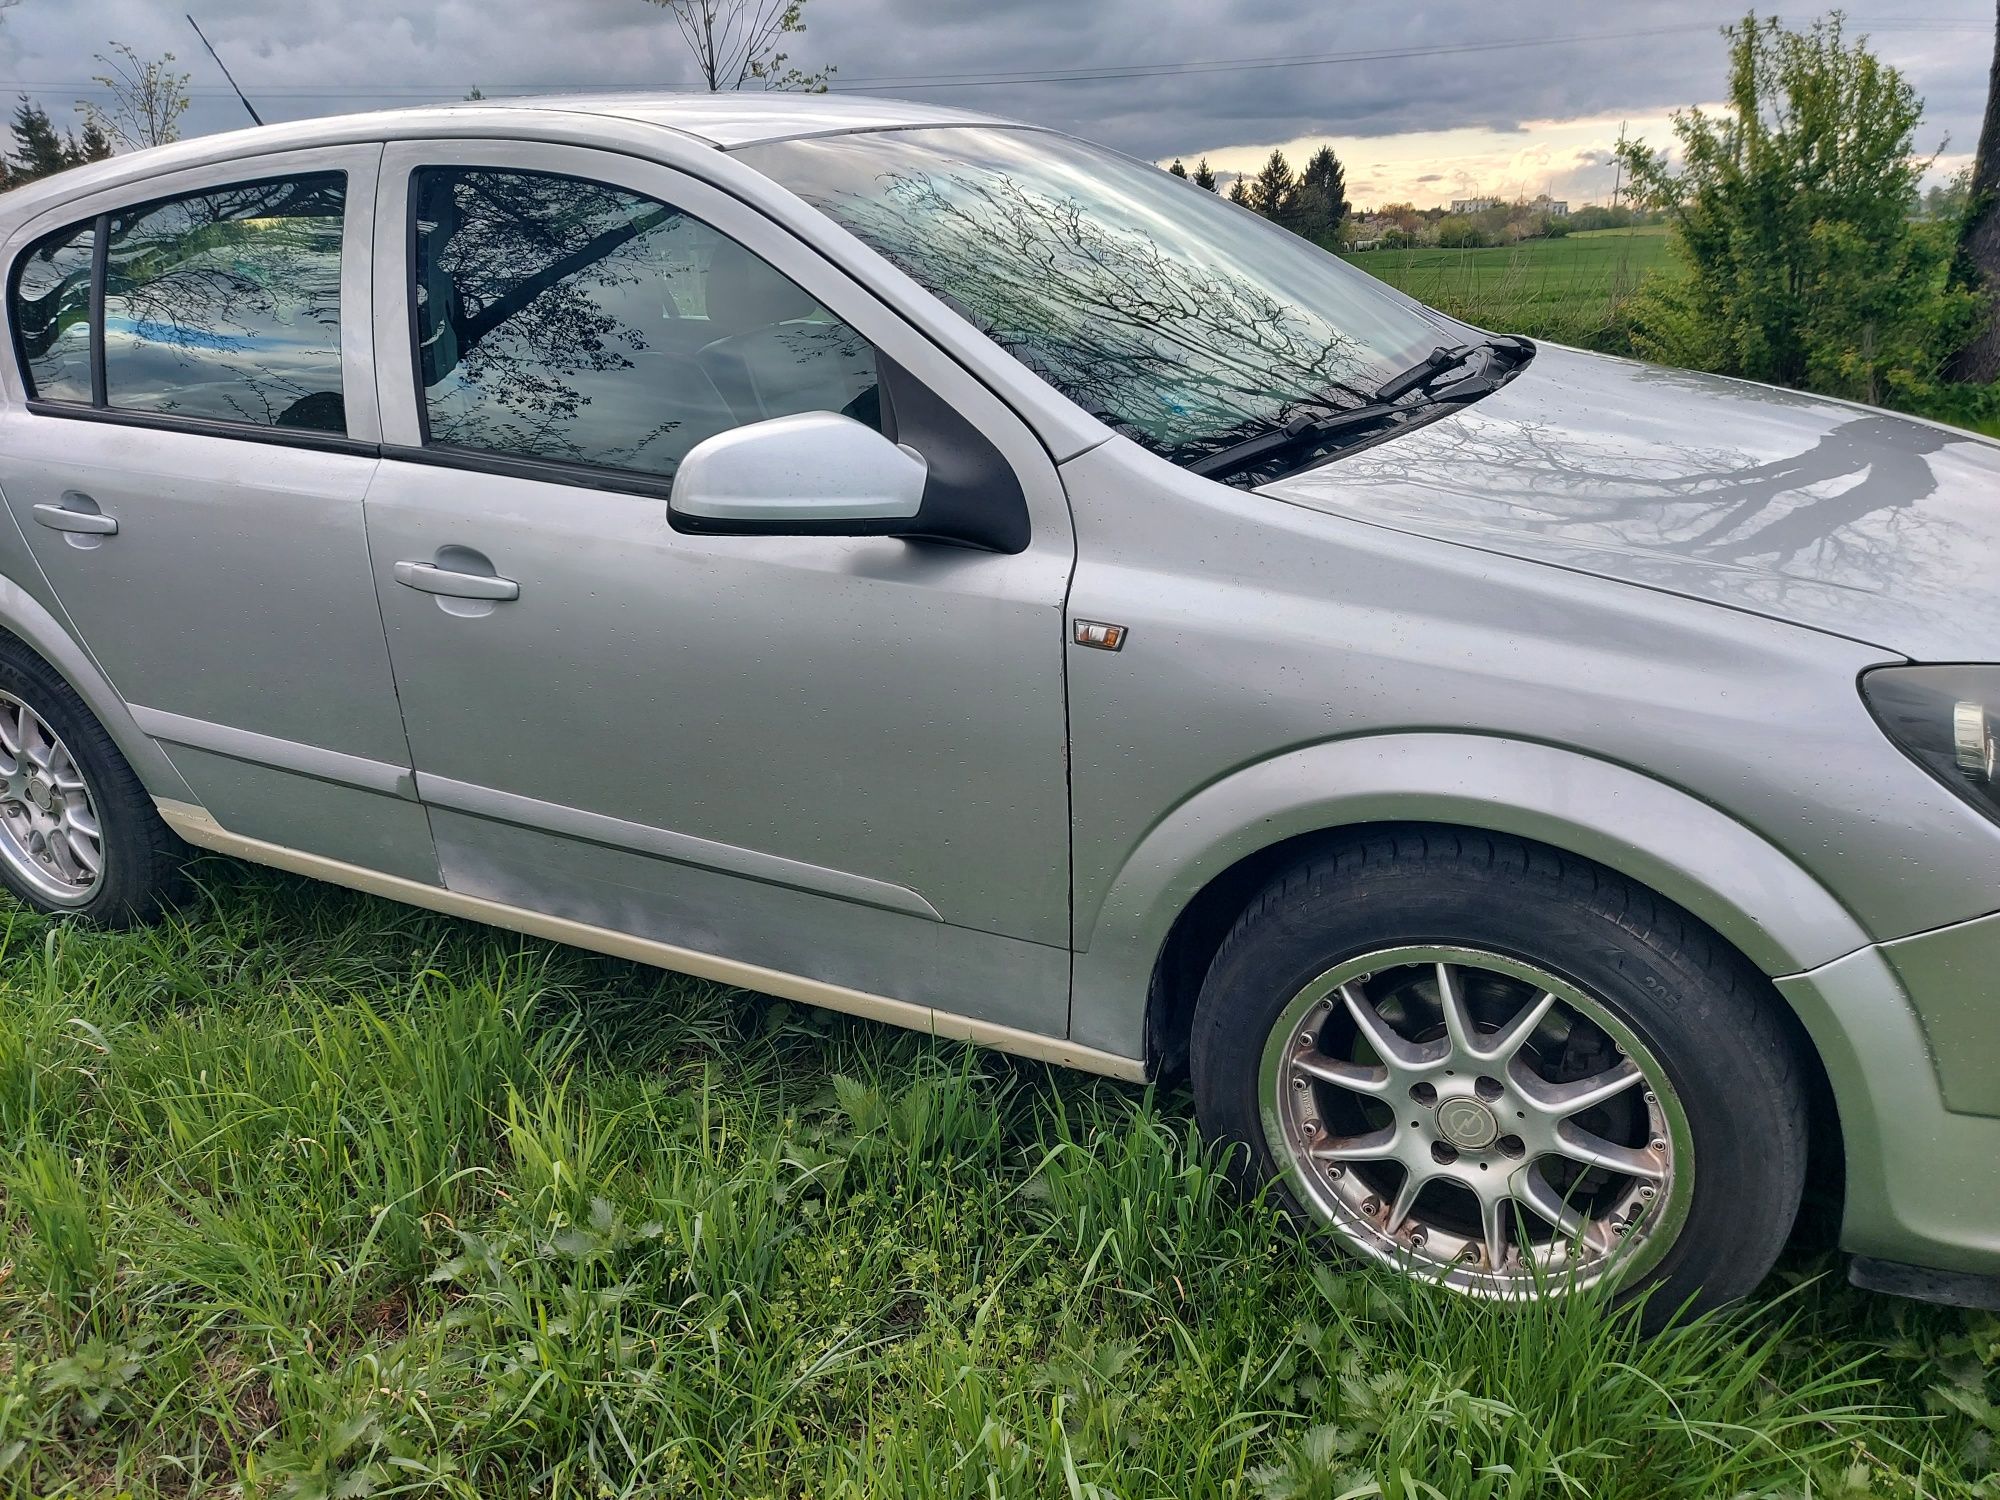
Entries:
{"x":308,"y":1195}
{"x":1570,"y":289}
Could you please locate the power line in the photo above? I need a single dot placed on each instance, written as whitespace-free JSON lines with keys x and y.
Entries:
{"x":1384,"y":54}
{"x":894,"y":82}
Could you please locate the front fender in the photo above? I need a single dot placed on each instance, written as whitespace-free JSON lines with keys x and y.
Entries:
{"x":1728,"y":875}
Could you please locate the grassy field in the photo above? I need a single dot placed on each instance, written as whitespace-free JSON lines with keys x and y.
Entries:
{"x":1568,"y":289}
{"x":308,"y":1195}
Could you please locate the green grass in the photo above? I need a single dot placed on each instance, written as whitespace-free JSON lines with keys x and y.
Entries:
{"x":305,"y":1194}
{"x":1571,"y":289}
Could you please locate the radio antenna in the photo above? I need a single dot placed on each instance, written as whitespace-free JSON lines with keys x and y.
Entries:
{"x":225,"y":69}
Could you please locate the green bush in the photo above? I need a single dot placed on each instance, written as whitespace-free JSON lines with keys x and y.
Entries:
{"x":1793,"y":213}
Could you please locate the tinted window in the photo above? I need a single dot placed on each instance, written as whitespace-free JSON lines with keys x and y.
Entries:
{"x":52,"y":313}
{"x":1175,"y":317}
{"x":562,"y":319}
{"x":225,"y":305}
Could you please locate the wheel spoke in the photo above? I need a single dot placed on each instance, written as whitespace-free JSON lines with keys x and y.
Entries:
{"x":1376,"y":1145}
{"x":1395,"y":1050}
{"x":88,"y":857}
{"x":1559,"y":1100}
{"x":1351,"y":1076}
{"x":1494,"y":1229}
{"x":38,"y":741}
{"x":1405,"y":1201}
{"x":1502,"y":1045}
{"x":1458,"y":1024}
{"x":1538,"y":1193}
{"x":1579,"y":1144}
{"x":82,"y":820}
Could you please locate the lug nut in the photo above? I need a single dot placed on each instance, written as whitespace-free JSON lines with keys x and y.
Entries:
{"x":1423,"y":1093}
{"x":1443,"y":1153}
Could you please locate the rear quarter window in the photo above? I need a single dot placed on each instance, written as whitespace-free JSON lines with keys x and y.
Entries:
{"x":49,"y":307}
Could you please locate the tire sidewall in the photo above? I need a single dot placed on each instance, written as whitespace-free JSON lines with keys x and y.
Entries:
{"x":1746,"y":1123}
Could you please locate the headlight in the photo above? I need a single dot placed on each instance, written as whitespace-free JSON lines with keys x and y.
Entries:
{"x":1947,"y":720}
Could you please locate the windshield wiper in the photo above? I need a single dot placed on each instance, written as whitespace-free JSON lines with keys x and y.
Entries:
{"x":1431,"y":370}
{"x":1301,"y":431}
{"x":1492,"y":360}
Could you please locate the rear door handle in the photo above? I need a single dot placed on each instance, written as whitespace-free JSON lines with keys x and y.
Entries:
{"x":82,"y":522}
{"x":428,"y":578}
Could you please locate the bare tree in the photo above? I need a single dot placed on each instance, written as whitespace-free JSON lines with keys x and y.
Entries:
{"x":147,"y":99}
{"x":736,"y":43}
{"x":1979,"y":244}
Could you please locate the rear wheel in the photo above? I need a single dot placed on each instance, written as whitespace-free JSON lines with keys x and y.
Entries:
{"x":77,"y":831}
{"x":1497,"y":1068}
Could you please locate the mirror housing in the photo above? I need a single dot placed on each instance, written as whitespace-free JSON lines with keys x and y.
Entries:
{"x":813,"y":474}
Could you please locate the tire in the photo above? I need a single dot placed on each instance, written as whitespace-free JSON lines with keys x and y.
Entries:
{"x":1604,"y":992}
{"x":67,"y":765}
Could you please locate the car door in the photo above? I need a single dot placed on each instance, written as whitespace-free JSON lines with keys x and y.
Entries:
{"x":193,"y":436}
{"x":833,"y":757}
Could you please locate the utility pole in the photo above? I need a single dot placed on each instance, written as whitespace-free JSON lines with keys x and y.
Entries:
{"x":259,"y":119}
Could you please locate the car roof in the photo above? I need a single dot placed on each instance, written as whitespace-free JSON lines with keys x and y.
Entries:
{"x":736,"y":119}
{"x":723,"y":121}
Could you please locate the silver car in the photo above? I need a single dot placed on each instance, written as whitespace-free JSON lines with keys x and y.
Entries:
{"x":940,"y":570}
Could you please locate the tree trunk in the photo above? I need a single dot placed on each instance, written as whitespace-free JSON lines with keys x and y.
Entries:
{"x":1979,"y":246}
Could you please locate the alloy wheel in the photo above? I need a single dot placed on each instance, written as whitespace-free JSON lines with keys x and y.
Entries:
{"x":50,"y":836}
{"x":1476,"y":1120}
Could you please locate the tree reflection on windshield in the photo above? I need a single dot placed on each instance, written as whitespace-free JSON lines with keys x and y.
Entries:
{"x":1177,"y":319}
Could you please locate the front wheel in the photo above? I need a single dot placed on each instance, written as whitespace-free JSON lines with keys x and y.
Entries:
{"x":1488,"y":1065}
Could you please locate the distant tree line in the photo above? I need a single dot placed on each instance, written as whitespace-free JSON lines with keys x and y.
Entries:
{"x":1312,"y":203}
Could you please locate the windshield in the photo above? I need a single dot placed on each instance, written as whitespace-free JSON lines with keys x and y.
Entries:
{"x":1182,"y":321}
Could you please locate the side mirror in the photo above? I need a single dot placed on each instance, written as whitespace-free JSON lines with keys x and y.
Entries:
{"x":812,"y":474}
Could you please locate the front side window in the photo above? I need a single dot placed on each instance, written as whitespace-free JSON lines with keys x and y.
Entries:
{"x":1172,"y":316}
{"x":570,"y":321}
{"x":51,"y":313}
{"x":225,"y":305}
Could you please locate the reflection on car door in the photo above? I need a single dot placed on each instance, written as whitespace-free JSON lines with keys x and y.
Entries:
{"x":193,"y":494}
{"x":839,"y":758}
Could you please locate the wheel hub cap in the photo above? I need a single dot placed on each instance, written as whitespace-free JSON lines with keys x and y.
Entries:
{"x":1476,"y":1120}
{"x":1467,"y":1124}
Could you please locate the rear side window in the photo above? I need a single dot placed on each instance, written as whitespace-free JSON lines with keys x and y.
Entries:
{"x":218,"y":306}
{"x":225,"y":305}
{"x":571,"y":321}
{"x":51,"y":313}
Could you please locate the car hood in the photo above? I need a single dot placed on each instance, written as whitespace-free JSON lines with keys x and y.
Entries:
{"x":1880,"y":528}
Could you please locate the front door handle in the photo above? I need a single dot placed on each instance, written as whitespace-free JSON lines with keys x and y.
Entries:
{"x":428,"y":578}
{"x":81,"y":522}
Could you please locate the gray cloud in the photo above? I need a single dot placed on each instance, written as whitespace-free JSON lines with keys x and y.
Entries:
{"x":324,"y":56}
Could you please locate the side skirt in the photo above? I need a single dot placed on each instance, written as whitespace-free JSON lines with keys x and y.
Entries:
{"x":200,"y":829}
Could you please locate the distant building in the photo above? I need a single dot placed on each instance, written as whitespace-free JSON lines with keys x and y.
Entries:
{"x":1555,"y":208}
{"x":1473,"y":205}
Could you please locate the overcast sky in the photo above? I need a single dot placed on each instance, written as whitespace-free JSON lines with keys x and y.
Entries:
{"x":1454,"y":117}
